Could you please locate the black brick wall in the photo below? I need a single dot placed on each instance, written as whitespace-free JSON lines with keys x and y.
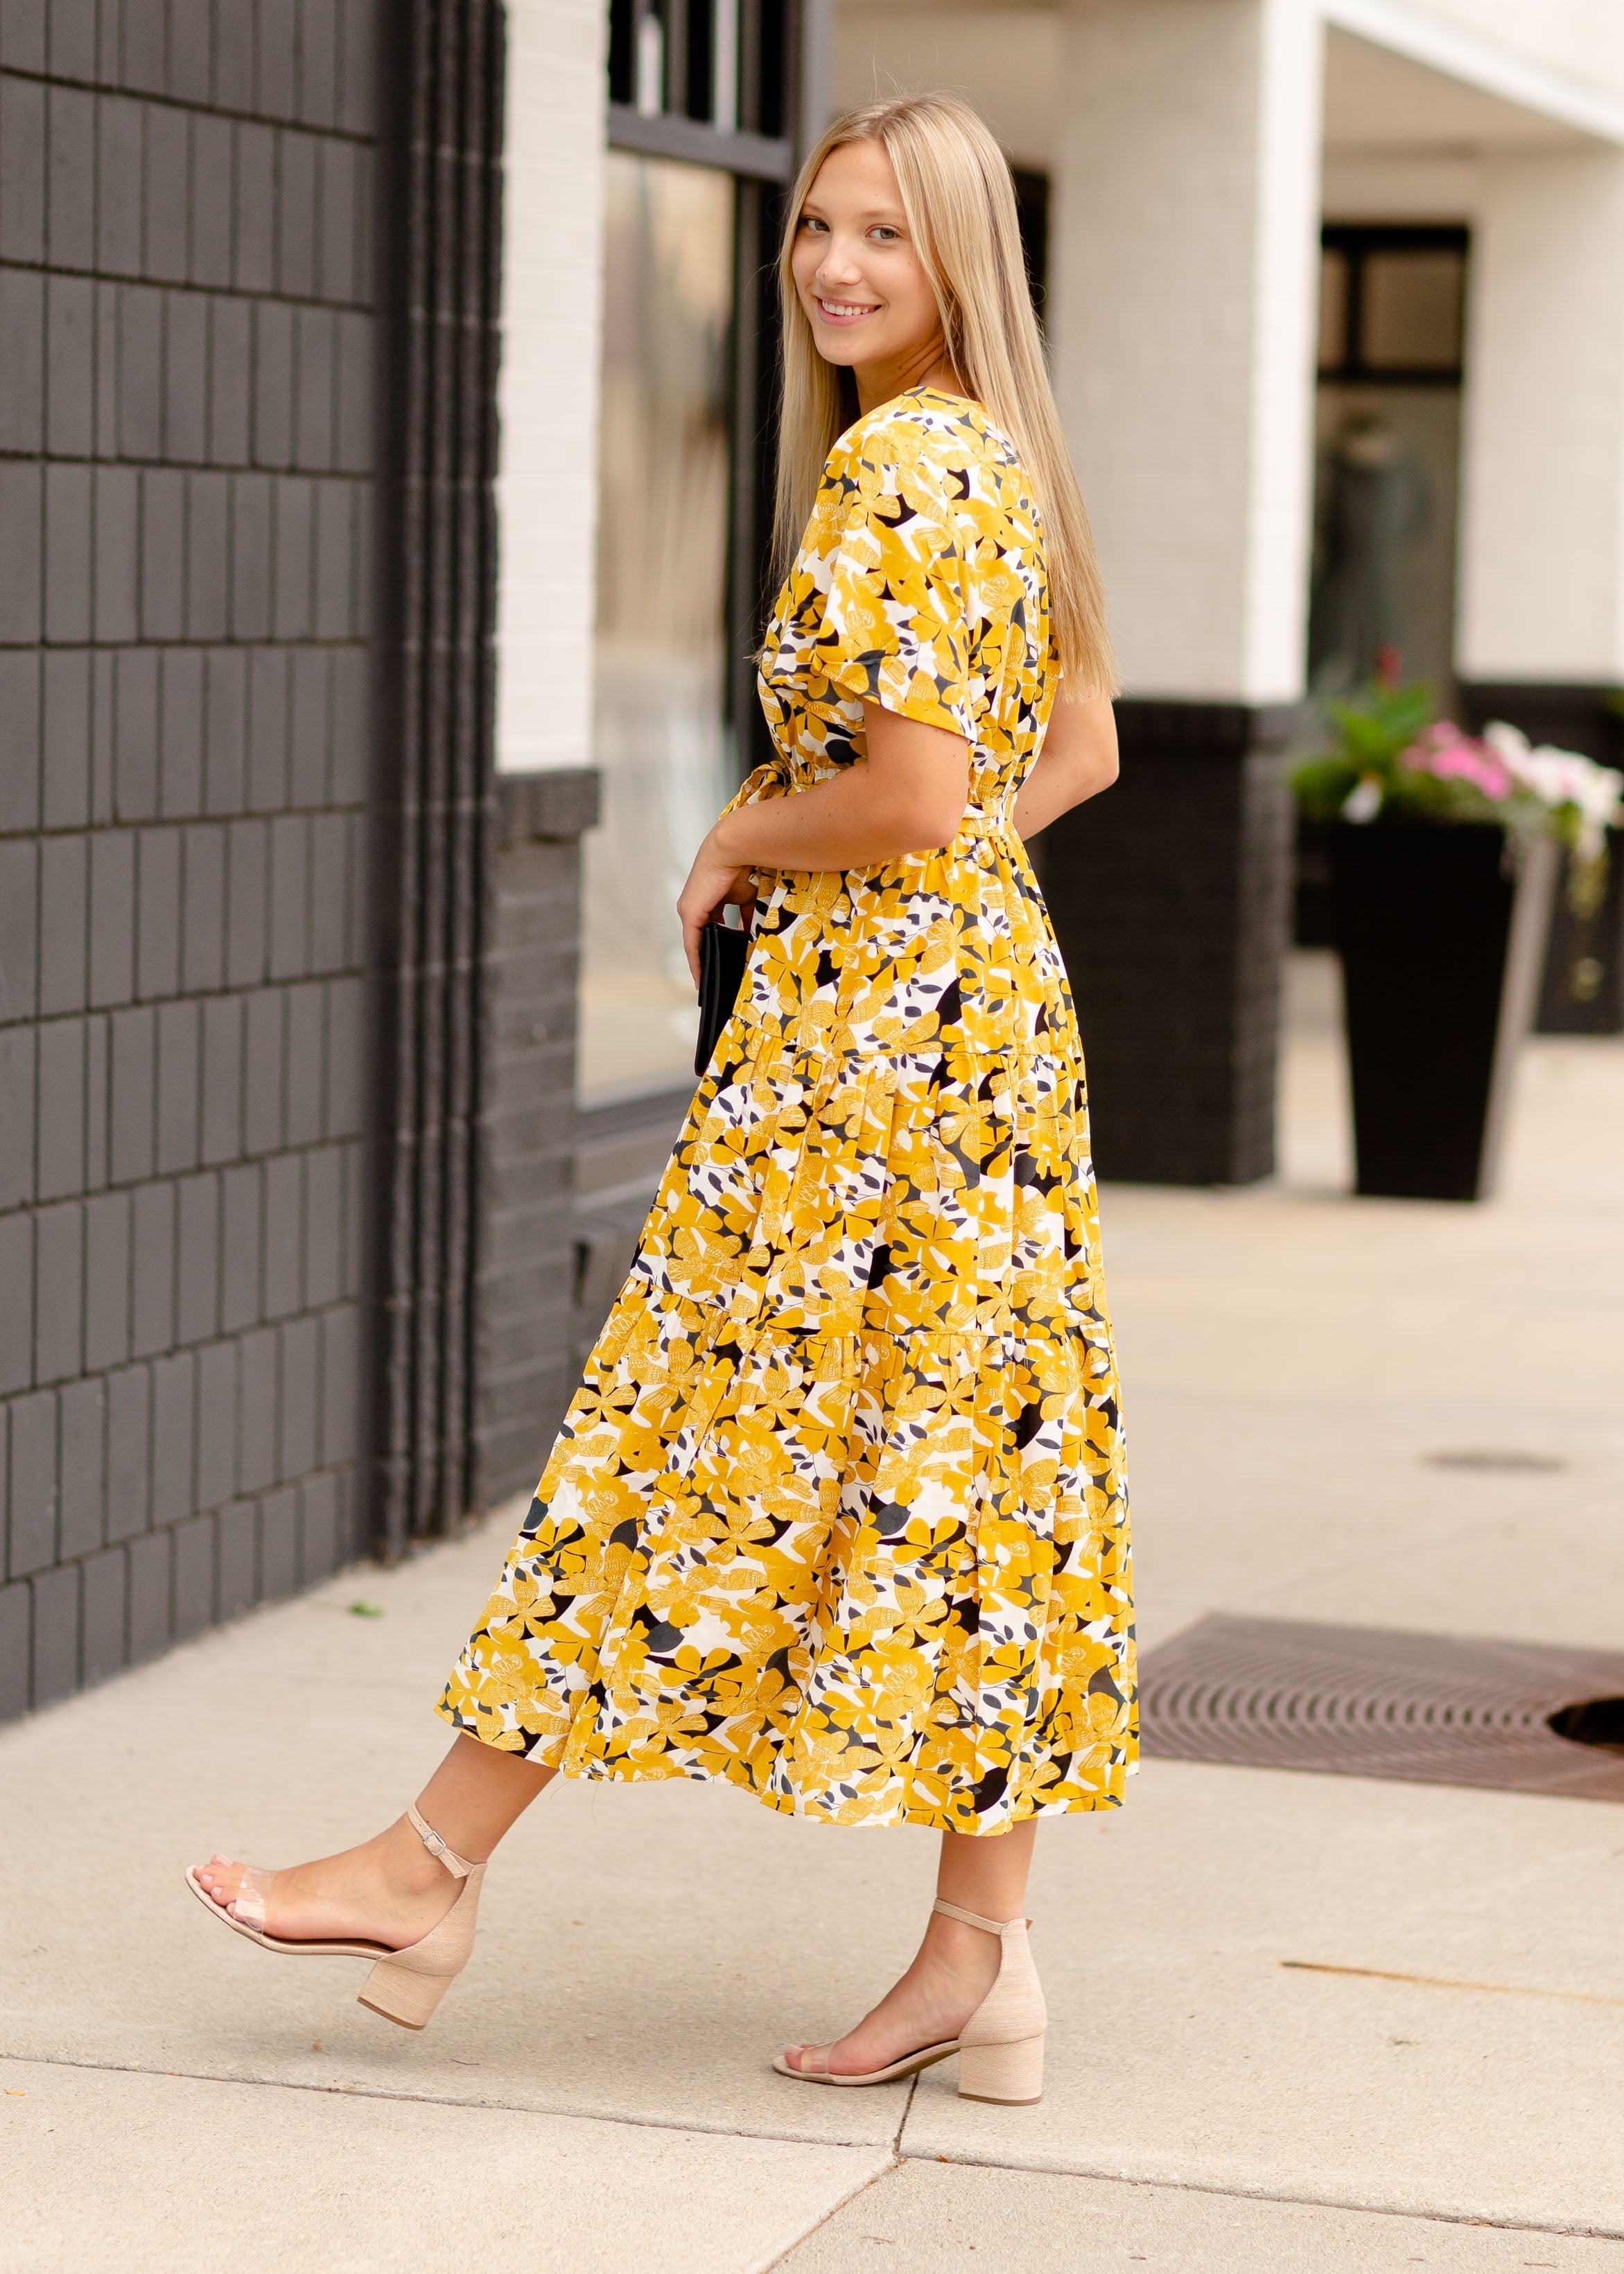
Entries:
{"x":1170,"y":899}
{"x":527,"y":1364}
{"x":186,"y":438}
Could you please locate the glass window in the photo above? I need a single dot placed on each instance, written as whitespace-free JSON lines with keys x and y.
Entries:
{"x":661,"y":736}
{"x":1412,"y":311}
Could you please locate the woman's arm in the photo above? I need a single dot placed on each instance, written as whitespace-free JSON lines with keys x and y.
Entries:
{"x":908,"y":795}
{"x":1077,"y":761}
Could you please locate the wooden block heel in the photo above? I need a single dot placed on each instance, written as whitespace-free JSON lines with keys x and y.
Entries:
{"x":399,"y":1995}
{"x":1010,"y":2074}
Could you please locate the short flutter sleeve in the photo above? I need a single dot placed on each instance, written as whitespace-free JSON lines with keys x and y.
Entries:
{"x":893,"y":630}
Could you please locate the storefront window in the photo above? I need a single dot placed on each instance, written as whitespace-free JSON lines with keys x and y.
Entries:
{"x":661,"y":739}
{"x":1391,"y":316}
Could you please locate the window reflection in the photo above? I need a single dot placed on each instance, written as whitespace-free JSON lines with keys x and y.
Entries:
{"x":661,"y":739}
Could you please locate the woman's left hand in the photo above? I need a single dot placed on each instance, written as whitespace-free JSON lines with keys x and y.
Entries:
{"x":712,"y":885}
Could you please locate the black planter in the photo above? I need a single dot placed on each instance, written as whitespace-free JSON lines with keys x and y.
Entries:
{"x":1582,"y":990}
{"x":1313,"y":916}
{"x":1441,"y":950}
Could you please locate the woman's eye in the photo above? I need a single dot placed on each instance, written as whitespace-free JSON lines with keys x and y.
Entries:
{"x":885,"y":235}
{"x":808,"y":223}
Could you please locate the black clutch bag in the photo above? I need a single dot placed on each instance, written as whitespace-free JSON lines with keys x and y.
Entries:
{"x":723,"y":954}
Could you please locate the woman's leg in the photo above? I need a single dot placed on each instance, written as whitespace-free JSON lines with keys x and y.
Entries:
{"x":955,"y":1965}
{"x":986,"y":1876}
{"x":391,"y":1889}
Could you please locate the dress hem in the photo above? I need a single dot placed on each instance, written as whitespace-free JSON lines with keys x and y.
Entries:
{"x":737,"y":1774}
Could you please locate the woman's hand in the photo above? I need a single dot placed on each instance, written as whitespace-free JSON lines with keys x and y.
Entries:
{"x":712,"y":883}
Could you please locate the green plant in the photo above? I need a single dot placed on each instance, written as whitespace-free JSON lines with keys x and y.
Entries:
{"x":1364,"y":773}
{"x":1391,"y":754}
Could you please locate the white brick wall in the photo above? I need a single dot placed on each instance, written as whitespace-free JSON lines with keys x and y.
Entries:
{"x":1402,"y":187}
{"x":1542,"y":537}
{"x":552,"y":296}
{"x":1284,"y":347}
{"x":1006,"y":61}
{"x":1183,"y":282}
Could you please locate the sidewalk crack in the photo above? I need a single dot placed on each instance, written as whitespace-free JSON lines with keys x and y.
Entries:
{"x":863,"y":2188}
{"x":342,"y":2091}
{"x":907,"y":2108}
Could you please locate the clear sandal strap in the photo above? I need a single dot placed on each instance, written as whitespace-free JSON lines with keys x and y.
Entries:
{"x":457,"y":1865}
{"x":247,"y":1905}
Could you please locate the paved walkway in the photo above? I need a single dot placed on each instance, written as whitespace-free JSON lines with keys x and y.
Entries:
{"x":595,"y":2095}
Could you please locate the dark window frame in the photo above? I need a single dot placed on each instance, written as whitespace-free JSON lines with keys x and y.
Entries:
{"x":1356,"y":241}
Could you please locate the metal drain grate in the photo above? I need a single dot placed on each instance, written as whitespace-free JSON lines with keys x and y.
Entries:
{"x":1365,"y":1701}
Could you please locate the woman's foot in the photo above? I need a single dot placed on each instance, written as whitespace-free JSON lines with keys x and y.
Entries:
{"x":956,"y":1967}
{"x":390,"y":1890}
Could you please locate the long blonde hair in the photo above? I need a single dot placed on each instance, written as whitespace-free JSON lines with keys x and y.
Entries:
{"x":960,"y":203}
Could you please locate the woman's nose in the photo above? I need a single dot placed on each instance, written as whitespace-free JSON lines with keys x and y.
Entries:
{"x":836,"y":267}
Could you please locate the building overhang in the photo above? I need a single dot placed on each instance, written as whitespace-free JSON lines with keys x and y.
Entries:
{"x":1400,"y":78}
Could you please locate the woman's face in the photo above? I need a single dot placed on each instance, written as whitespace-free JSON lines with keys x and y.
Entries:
{"x":866,"y":298}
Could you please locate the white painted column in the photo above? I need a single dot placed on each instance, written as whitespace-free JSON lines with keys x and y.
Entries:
{"x":546,"y":489}
{"x":1184,"y":294}
{"x":1542,"y":527}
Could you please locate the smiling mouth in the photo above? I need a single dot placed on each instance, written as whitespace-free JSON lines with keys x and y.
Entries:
{"x":843,"y":312}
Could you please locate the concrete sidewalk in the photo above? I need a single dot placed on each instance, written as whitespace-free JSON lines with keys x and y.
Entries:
{"x":595,"y":2093}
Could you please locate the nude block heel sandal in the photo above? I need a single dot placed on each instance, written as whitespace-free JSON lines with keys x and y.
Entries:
{"x":1000,"y":2048}
{"x":404,"y":1986}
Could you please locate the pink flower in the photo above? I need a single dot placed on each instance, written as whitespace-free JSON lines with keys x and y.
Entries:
{"x":1445,"y":752}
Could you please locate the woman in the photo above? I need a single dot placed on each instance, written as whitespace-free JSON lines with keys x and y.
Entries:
{"x":837,"y":1514}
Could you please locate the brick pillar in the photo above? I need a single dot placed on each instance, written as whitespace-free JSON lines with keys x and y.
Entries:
{"x":436,"y":685}
{"x":1183,"y":295}
{"x":524,"y":1363}
{"x":1170,"y":899}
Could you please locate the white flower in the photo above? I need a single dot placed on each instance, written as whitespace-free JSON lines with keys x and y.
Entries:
{"x":1363,"y":801}
{"x":1559,"y":778}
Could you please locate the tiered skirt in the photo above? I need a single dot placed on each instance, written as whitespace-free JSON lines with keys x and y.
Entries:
{"x":837,"y":1514}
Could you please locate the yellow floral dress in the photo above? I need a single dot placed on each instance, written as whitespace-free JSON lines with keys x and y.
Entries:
{"x":838,"y":1513}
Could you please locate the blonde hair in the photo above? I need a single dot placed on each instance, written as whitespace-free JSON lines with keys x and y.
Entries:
{"x":959,"y":204}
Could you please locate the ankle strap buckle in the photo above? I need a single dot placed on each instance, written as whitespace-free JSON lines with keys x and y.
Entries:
{"x":457,"y":1865}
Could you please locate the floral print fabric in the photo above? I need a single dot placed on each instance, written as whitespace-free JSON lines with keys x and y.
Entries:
{"x":838,"y":1513}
